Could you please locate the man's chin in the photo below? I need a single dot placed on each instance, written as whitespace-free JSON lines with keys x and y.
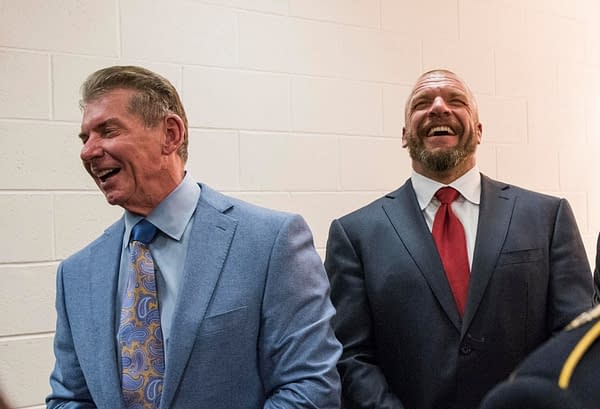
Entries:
{"x":112,"y":199}
{"x":441,"y":144}
{"x":441,"y":160}
{"x":440,"y":151}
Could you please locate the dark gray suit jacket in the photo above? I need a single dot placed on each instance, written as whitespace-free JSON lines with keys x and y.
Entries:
{"x":405,"y":345}
{"x":251,"y":327}
{"x":597,"y":274}
{"x":561,"y":374}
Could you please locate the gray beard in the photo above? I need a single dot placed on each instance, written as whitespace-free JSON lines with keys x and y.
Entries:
{"x":438,"y":161}
{"x":441,"y":161}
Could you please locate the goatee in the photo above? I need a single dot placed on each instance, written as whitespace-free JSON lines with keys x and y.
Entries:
{"x":441,"y":160}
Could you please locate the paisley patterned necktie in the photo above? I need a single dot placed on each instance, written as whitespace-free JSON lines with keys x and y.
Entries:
{"x":140,"y":335}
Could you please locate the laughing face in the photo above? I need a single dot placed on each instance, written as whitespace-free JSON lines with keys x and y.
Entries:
{"x":442,"y":126}
{"x":123,"y":156}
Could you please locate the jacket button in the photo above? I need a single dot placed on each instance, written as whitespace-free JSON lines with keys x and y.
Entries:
{"x":465,"y":349}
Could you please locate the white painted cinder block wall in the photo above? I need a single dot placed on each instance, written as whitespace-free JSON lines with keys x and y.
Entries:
{"x":293,"y":104}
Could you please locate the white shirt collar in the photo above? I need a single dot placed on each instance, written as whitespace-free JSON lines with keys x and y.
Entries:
{"x":468,"y":185}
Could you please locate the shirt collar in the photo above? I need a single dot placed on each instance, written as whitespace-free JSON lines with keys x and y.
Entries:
{"x":173,"y":214}
{"x":468,"y":185}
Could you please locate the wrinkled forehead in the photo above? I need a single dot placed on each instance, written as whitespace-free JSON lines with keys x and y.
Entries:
{"x":112,"y":103}
{"x":119,"y":93}
{"x":440,"y":81}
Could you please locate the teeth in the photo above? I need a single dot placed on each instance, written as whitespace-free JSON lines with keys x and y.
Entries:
{"x":442,"y":129}
{"x":102,"y":173}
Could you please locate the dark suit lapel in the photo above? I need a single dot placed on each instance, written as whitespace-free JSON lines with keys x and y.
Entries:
{"x":405,"y":215}
{"x":496,"y":207}
{"x":103,"y":270}
{"x":211,"y":236}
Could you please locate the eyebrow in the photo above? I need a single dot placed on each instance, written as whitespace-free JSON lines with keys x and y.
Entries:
{"x":102,"y":125}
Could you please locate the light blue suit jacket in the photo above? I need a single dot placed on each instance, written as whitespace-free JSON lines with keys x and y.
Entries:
{"x":251,"y":326}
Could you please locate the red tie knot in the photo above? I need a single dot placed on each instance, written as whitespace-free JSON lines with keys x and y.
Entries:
{"x":446,"y":195}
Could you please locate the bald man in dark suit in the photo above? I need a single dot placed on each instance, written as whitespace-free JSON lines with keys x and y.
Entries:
{"x":410,"y":340}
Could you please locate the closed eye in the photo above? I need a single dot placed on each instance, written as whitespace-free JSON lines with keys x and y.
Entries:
{"x":421,"y":104}
{"x":110,"y":132}
{"x":458,"y":102}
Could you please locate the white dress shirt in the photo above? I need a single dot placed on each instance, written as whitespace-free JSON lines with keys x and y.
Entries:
{"x":465,"y":207}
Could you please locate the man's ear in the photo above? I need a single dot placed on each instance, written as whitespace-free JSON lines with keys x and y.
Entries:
{"x":479,"y":132}
{"x":404,"y":142}
{"x":174,"y":133}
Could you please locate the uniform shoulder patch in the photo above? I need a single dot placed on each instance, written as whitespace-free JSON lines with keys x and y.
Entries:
{"x":584,"y":318}
{"x":577,"y":353}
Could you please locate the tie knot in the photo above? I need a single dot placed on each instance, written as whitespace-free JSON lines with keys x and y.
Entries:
{"x":447,"y":195}
{"x":143,"y":231}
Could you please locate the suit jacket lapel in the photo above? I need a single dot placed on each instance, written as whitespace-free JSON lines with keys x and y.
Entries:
{"x":405,"y":215}
{"x":212,"y":233}
{"x":497,"y":204}
{"x":103,"y":278}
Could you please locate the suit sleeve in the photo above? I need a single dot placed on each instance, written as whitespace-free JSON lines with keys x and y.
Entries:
{"x":363,"y":383}
{"x":298,"y":350}
{"x":571,"y":284}
{"x":597,"y":274}
{"x":67,"y":382}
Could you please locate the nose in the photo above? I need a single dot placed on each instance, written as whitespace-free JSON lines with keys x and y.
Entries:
{"x":439,"y":107}
{"x":91,"y":149}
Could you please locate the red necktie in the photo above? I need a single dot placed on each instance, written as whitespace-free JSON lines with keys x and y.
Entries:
{"x":449,"y":237}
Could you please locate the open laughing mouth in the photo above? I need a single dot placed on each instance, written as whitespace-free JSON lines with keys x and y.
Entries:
{"x":441,"y":131}
{"x":105,"y":174}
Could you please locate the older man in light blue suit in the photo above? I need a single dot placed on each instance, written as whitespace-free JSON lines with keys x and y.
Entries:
{"x":244,"y":300}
